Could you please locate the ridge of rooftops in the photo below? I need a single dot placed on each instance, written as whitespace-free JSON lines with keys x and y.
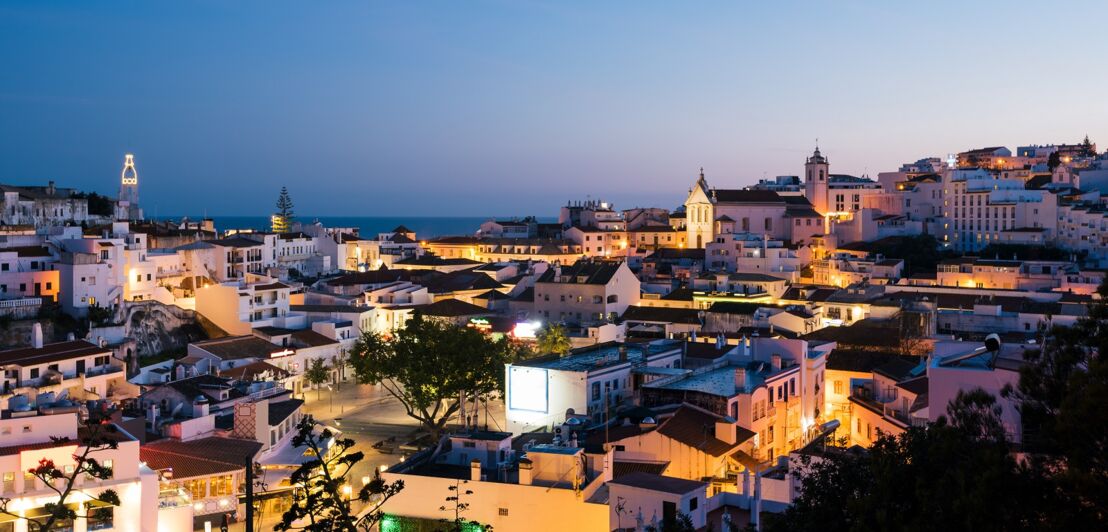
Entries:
{"x":602,"y":356}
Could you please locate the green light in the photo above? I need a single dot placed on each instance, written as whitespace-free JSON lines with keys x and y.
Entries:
{"x":390,"y":524}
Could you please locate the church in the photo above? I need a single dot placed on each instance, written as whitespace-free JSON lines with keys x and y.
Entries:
{"x":711,"y":212}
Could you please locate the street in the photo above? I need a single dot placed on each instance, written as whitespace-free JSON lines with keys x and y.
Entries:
{"x":367,"y":414}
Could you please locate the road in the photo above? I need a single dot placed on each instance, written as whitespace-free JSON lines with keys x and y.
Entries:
{"x":367,"y":414}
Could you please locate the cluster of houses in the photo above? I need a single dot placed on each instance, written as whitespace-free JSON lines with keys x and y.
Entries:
{"x":714,"y":347}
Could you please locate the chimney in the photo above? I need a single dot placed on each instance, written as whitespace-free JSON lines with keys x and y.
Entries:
{"x":740,"y":378}
{"x":200,"y":407}
{"x":775,"y":360}
{"x":525,"y":472}
{"x":36,"y":335}
{"x":725,"y":430}
{"x":623,"y":353}
{"x":475,"y":469}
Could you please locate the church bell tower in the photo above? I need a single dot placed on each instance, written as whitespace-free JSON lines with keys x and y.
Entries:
{"x":816,"y":174}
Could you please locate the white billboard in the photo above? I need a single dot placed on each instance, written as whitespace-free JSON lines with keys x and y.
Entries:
{"x":528,"y":389}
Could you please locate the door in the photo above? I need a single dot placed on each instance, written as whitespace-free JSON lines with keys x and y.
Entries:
{"x":669,"y":512}
{"x":80,"y":367}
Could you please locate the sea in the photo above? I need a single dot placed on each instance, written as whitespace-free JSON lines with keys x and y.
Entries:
{"x":424,"y":226}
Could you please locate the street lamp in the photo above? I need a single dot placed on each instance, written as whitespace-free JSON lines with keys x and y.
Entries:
{"x":330,"y":398}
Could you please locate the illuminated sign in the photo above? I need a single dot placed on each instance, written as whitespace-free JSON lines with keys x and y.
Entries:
{"x":280,"y":354}
{"x":527,"y":389}
{"x":481,"y":324}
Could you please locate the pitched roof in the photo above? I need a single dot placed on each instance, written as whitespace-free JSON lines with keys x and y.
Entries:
{"x":626,"y":467}
{"x":239,"y":347}
{"x":697,"y":428}
{"x":653,"y":482}
{"x":460,"y":281}
{"x":251,"y":371}
{"x":745,"y":196}
{"x":662,"y":314}
{"x":896,"y":369}
{"x":310,"y":338}
{"x":29,"y":251}
{"x":582,"y":272}
{"x":452,"y":308}
{"x":280,"y":410}
{"x":26,"y":356}
{"x":199,"y":458}
{"x":194,"y":387}
{"x":235,"y":242}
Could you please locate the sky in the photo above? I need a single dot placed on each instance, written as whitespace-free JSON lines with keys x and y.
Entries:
{"x":498,"y":107}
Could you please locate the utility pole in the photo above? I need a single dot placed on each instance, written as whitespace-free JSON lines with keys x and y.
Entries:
{"x":249,"y":494}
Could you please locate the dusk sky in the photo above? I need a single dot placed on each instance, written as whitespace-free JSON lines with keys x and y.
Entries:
{"x":513,"y":107}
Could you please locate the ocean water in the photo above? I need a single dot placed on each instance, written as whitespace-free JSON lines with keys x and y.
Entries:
{"x":425,"y":227}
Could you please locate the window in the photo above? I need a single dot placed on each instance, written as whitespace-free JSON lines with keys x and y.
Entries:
{"x":108,"y":465}
{"x":693,"y":504}
{"x":222,"y":485}
{"x":839,"y":387}
{"x":9,"y":482}
{"x":197,"y":488}
{"x":596,"y":391}
{"x":34,"y":373}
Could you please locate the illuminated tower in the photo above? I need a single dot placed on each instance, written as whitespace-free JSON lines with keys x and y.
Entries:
{"x":128,"y":190}
{"x":816,"y":174}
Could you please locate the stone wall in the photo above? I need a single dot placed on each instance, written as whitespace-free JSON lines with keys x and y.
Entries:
{"x":18,"y":333}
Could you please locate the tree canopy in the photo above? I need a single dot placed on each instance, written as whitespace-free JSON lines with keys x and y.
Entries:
{"x":553,"y":339}
{"x":962,"y":472}
{"x":956,"y":474}
{"x":323,"y":503}
{"x":431,"y":366}
{"x":284,"y":215}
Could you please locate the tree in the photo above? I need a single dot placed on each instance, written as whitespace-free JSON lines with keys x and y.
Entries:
{"x":455,"y":505}
{"x":1087,"y":147}
{"x":553,"y":340}
{"x":1053,"y":161}
{"x":1061,"y":395}
{"x":323,"y":496}
{"x":431,"y":367}
{"x":912,"y":337}
{"x":955,"y":474}
{"x":98,"y":436}
{"x":316,"y":374}
{"x":282,"y":219}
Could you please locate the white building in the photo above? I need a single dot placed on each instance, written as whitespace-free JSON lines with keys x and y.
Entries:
{"x":254,"y":301}
{"x":591,"y":381}
{"x":31,"y":437}
{"x":586,"y":292}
